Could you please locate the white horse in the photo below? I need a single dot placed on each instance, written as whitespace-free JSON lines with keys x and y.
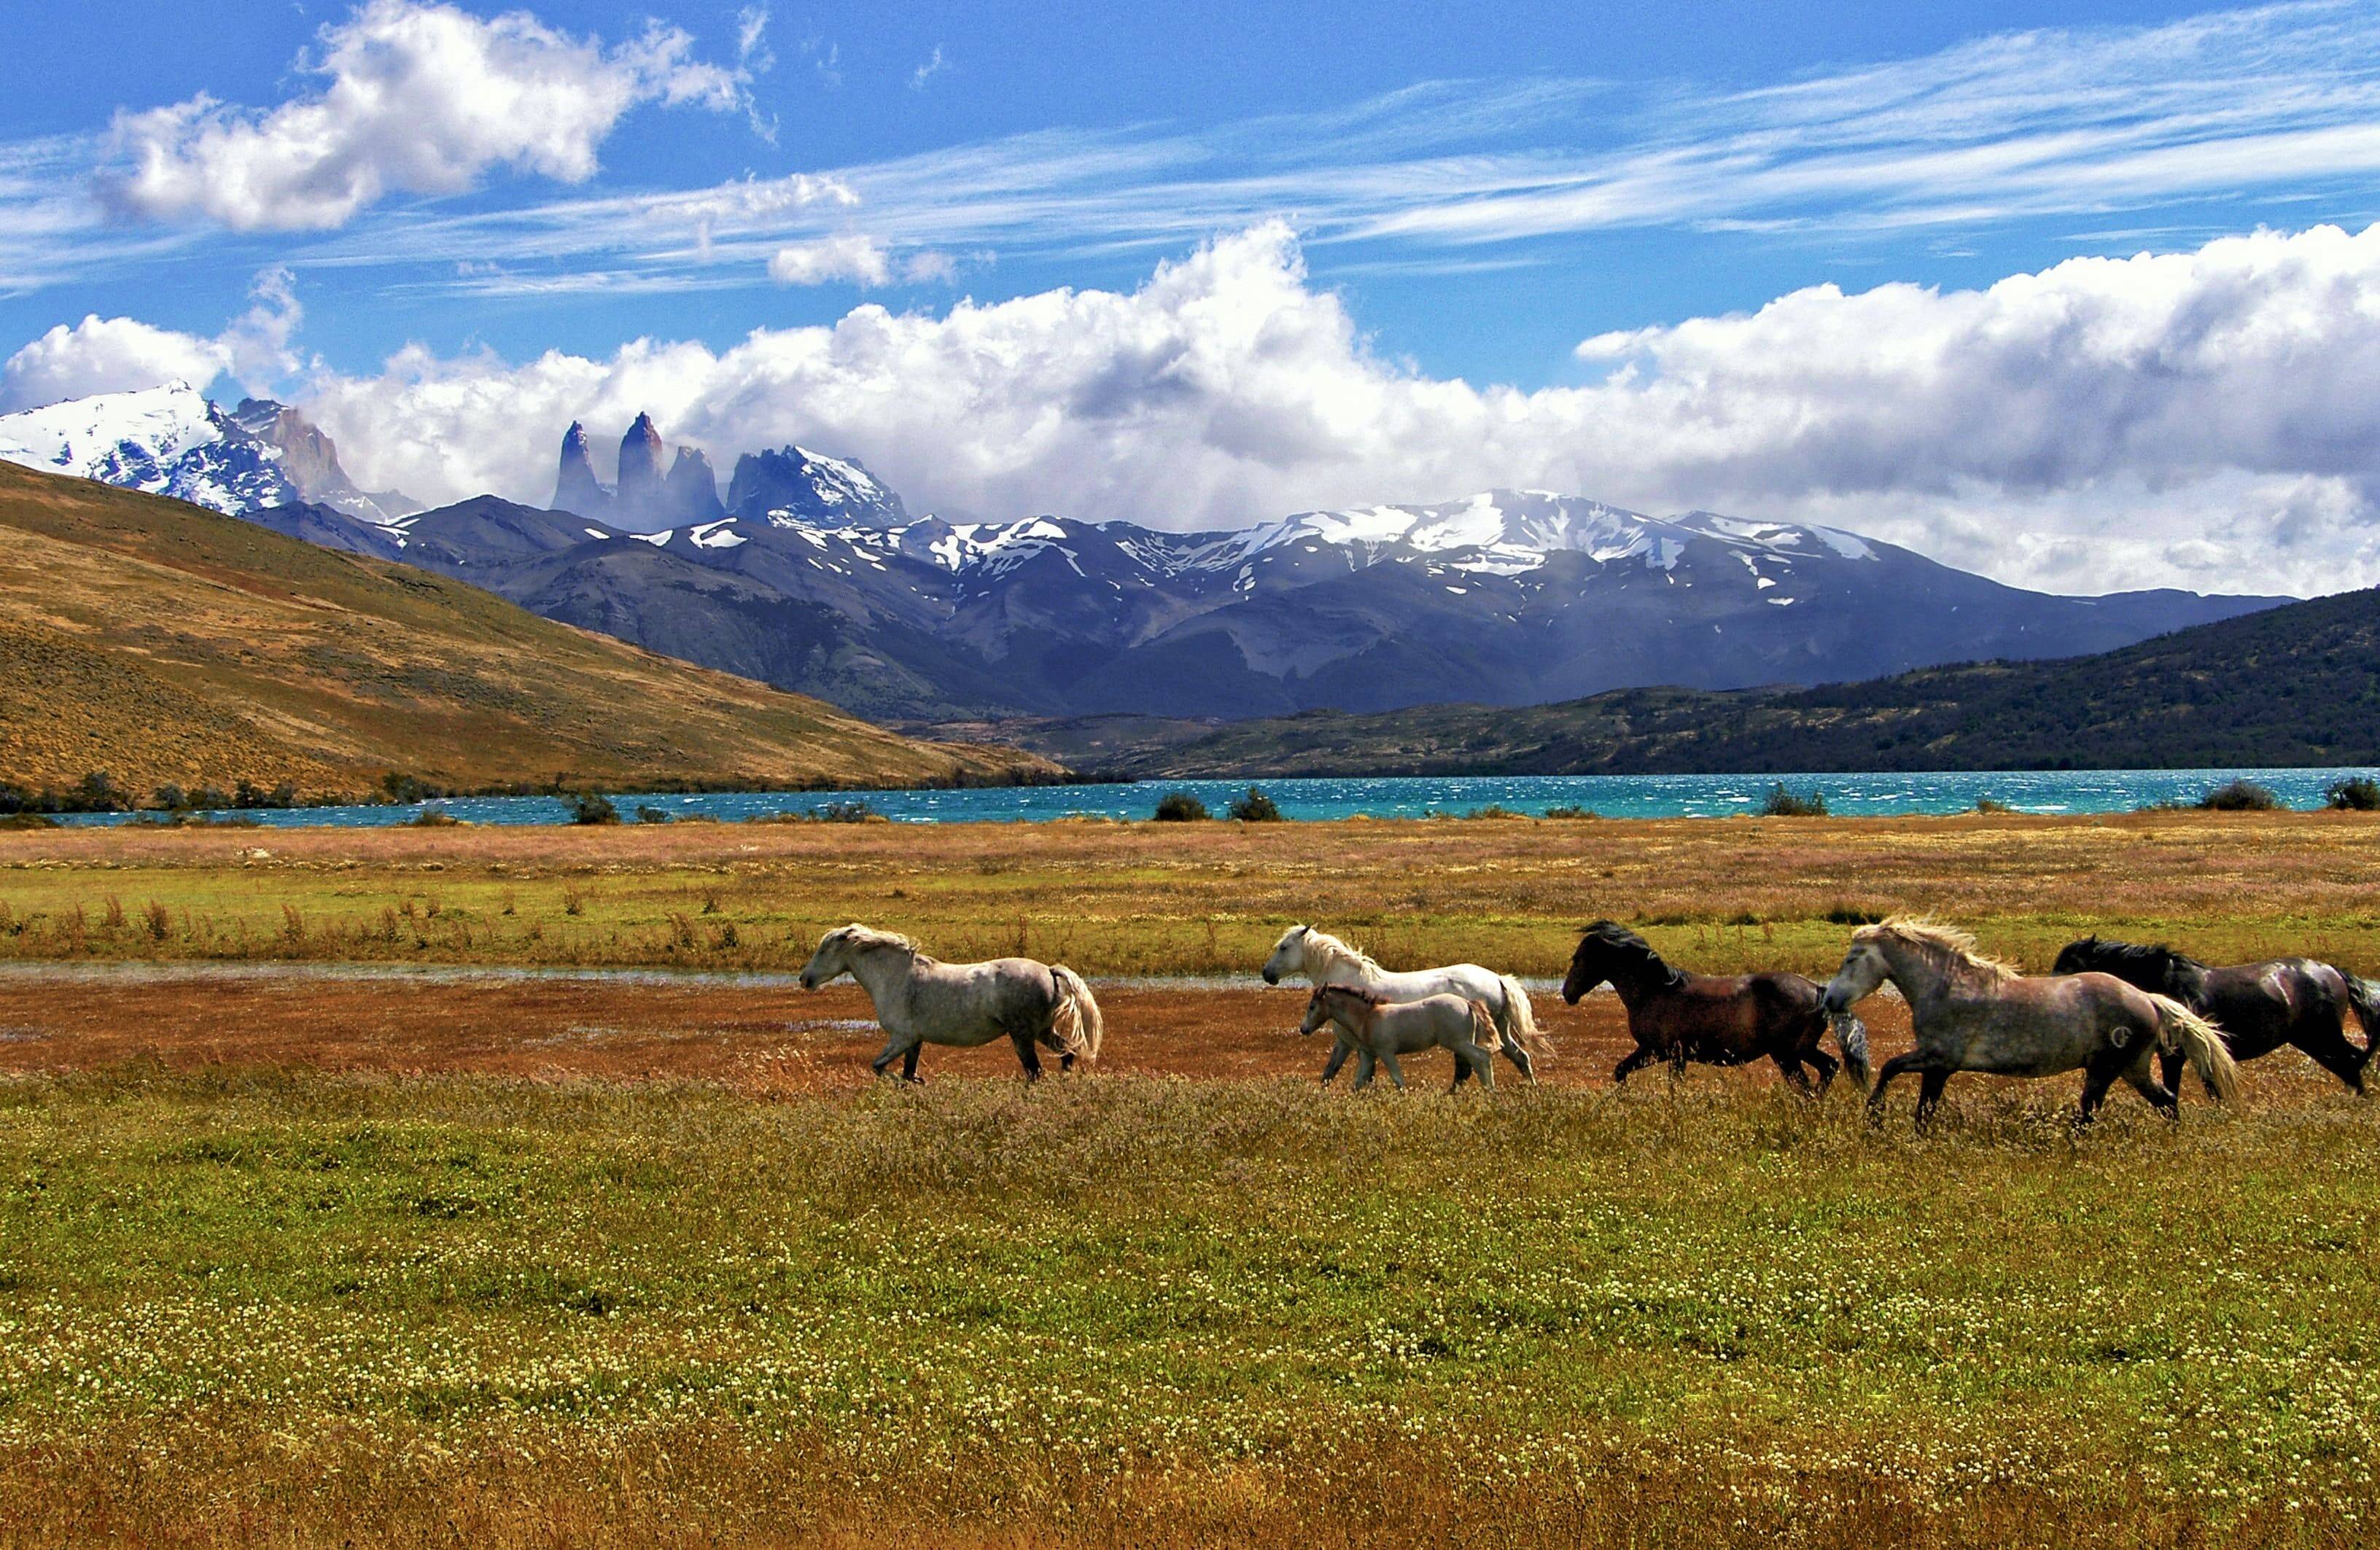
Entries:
{"x":1323,"y":958}
{"x":921,"y":1001}
{"x":1384,"y":1030}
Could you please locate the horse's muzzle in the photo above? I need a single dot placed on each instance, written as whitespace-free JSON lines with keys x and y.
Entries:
{"x":1271,"y":977}
{"x":806,"y":983}
{"x":1830,"y":1003}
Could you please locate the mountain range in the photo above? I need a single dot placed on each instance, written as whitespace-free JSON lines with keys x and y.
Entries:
{"x":810,"y":575}
{"x":2298,"y":684}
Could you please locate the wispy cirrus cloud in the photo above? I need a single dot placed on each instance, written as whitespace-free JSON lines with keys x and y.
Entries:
{"x":2278,"y":100}
{"x":2117,"y":127}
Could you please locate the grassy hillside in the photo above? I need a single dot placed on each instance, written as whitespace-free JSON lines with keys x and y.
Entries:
{"x":2298,"y":684}
{"x":158,"y":642}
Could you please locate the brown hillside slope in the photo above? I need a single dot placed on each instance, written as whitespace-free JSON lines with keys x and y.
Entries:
{"x":159,"y":641}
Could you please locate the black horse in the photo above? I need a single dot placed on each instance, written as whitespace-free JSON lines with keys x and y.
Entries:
{"x":1718,"y":1020}
{"x":2259,"y":1007}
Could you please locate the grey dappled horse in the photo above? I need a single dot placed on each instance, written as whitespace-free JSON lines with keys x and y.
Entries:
{"x":1970,"y":1013}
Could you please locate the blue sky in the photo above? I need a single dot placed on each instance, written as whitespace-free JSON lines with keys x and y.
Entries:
{"x":1445,"y":196}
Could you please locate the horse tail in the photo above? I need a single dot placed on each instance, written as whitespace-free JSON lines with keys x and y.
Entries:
{"x":1520,"y":1022}
{"x":1850,"y":1038}
{"x":2363,"y":995}
{"x":1076,"y":1024}
{"x":2181,"y":1028}
{"x":1483,"y":1027}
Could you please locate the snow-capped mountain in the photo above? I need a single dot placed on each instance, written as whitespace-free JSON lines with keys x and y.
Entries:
{"x":173,"y":440}
{"x":812,"y":576}
{"x":1507,"y":597}
{"x":791,"y":486}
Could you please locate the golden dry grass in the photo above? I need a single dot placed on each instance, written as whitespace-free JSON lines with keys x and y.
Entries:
{"x":1117,"y":899}
{"x":157,"y":642}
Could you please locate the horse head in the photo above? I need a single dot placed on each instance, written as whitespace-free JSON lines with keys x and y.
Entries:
{"x":1288,"y":956}
{"x":839,"y":951}
{"x":831,"y":960}
{"x":1865,"y":966}
{"x":2077,"y":957}
{"x":1606,"y":951}
{"x":1335,"y":1003}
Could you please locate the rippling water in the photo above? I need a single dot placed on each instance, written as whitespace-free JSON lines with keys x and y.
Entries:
{"x":1617,"y":796}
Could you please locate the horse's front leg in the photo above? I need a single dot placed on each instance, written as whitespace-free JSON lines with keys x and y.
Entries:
{"x":1929,"y":1096}
{"x":1914,"y":1061}
{"x":1483,"y":1064}
{"x":1396,"y":1072}
{"x":1637,"y":1059}
{"x":1365,"y":1066}
{"x":1792,"y":1070}
{"x":1341,"y":1047}
{"x":1027,"y":1056}
{"x":902,"y":1048}
{"x":1828,"y":1065}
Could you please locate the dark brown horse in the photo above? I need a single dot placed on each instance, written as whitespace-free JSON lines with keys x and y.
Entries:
{"x":1717,"y":1020}
{"x":2259,"y":1007}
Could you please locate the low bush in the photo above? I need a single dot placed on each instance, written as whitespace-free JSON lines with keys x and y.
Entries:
{"x":1570,"y":810}
{"x":1783,"y":804}
{"x":1256,"y":807}
{"x":592,"y":808}
{"x":2358,"y":794}
{"x":647,"y":814}
{"x":2239,"y":797}
{"x":1180,"y":807}
{"x":1985,"y":804}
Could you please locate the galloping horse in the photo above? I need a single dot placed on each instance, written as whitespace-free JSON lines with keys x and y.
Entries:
{"x":1973,"y":1014}
{"x":1384,"y":1030}
{"x":1720,"y":1020}
{"x":2260,"y":1007}
{"x":921,"y":1001}
{"x":1325,"y":960}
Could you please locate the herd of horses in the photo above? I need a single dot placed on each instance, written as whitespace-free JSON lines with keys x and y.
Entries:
{"x":2114,"y":1011}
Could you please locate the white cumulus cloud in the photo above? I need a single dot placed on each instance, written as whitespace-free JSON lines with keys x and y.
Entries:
{"x":119,"y":354}
{"x":419,"y":97}
{"x":2208,"y":418}
{"x":853,"y":257}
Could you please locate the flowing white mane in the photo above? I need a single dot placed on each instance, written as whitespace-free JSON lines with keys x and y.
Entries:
{"x":857,"y":938}
{"x":1947,"y":947}
{"x":1328,"y":950}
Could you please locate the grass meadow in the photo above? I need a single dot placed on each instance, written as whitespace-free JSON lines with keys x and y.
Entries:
{"x":1173,"y":899}
{"x":269,"y":1302}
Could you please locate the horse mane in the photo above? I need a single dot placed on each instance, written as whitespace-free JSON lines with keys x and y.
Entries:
{"x":2180,"y":975}
{"x":1332,"y":947}
{"x":1949,"y":948}
{"x":1621,"y":942}
{"x":1353,"y":992}
{"x":2158,"y":954}
{"x":864,"y":937}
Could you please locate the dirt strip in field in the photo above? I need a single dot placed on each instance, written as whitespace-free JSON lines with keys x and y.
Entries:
{"x":762,"y":1037}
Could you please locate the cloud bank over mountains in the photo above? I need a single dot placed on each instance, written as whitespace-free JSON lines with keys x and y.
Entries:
{"x":2208,"y":418}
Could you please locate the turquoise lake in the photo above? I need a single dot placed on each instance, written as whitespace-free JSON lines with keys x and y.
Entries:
{"x":1616,"y":797}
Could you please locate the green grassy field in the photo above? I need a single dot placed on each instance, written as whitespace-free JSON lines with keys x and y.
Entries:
{"x":292,"y":1309}
{"x":248,"y":1303}
{"x":1165,"y":899}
